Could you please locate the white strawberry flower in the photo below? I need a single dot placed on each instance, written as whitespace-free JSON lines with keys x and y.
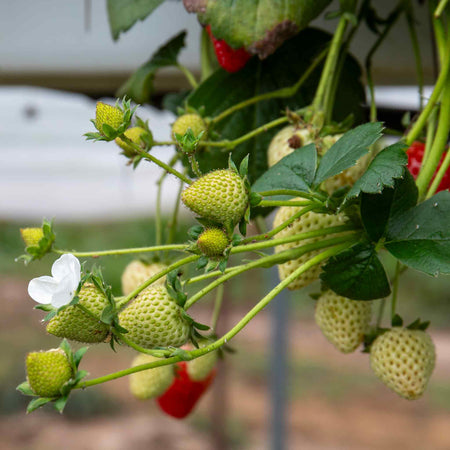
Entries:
{"x":59,"y":289}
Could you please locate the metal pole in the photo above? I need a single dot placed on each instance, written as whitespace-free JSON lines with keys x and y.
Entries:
{"x":279,"y":372}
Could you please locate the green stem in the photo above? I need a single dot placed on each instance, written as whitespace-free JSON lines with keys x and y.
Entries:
{"x":157,"y":161}
{"x":229,"y":145}
{"x":431,"y":130}
{"x":330,"y":64}
{"x":173,"y":222}
{"x":158,"y":224}
{"x":440,"y":174}
{"x":279,"y":93}
{"x":189,"y":75}
{"x":274,"y":231}
{"x":410,"y":19}
{"x":440,"y":8}
{"x":138,"y":348}
{"x":206,"y":55}
{"x":267,"y":261}
{"x":194,"y":165}
{"x":230,"y":334}
{"x":380,"y":312}
{"x":121,"y":251}
{"x":395,"y":290}
{"x":156,"y":277}
{"x":271,"y":203}
{"x":427,"y":171}
{"x":391,"y":19}
{"x":417,"y":128}
{"x":217,"y":307}
{"x":293,"y":193}
{"x":271,"y":243}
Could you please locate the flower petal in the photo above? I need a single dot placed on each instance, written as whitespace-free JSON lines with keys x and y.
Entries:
{"x":65,"y":265}
{"x":65,"y":292}
{"x":41,"y":289}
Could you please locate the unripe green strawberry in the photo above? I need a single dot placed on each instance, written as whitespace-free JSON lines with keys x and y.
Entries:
{"x":404,"y":360}
{"x":286,"y":141}
{"x":107,"y":114}
{"x":192,"y":121}
{"x":154,"y":320}
{"x":31,"y":236}
{"x":200,"y":368}
{"x":220,"y":196}
{"x":213,"y":242}
{"x":343,"y":321}
{"x":150,"y":383}
{"x":137,"y":272}
{"x":134,"y":135}
{"x":308,"y":222}
{"x":73,"y":323}
{"x":48,"y":371}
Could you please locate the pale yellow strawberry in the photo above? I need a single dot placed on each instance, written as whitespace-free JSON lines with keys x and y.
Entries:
{"x":308,"y":222}
{"x":213,"y":242}
{"x":404,"y":360}
{"x":186,"y":121}
{"x":137,"y":272}
{"x":31,"y":236}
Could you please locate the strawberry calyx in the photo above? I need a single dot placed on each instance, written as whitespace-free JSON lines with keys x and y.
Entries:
{"x":230,"y":59}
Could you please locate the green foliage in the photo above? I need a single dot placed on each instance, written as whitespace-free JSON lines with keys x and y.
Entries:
{"x":123,"y":14}
{"x":378,"y":209}
{"x":420,"y":236}
{"x":282,"y":69}
{"x":356,"y":273}
{"x":260,"y":25}
{"x":139,"y":87}
{"x":295,"y":171}
{"x":386,"y":167}
{"x":347,"y":150}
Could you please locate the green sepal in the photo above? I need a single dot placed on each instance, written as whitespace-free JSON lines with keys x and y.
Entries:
{"x":418,"y":325}
{"x":37,"y":403}
{"x":60,"y":403}
{"x":202,"y":262}
{"x":397,"y":321}
{"x":25,"y":389}
{"x":182,"y":354}
{"x":175,"y":288}
{"x":195,"y":231}
{"x":243,"y":167}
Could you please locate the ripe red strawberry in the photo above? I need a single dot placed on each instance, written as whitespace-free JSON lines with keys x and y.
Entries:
{"x":232,"y":60}
{"x":415,"y":155}
{"x":182,"y":396}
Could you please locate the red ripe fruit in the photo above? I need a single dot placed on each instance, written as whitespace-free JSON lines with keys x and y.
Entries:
{"x":232,"y":60}
{"x":182,"y":396}
{"x":415,"y":156}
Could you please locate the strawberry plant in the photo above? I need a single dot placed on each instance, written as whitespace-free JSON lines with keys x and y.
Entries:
{"x":282,"y":127}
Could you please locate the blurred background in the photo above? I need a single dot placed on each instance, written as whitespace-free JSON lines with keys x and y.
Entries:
{"x":285,"y":387}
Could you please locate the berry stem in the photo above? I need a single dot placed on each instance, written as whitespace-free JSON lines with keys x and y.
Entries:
{"x":217,"y":306}
{"x":279,"y":93}
{"x":437,"y":149}
{"x":121,"y":251}
{"x":189,"y":75}
{"x":294,"y":193}
{"x":390,"y":21}
{"x":268,"y":261}
{"x":173,"y":222}
{"x":271,"y":203}
{"x":440,"y":174}
{"x":440,"y":8}
{"x":157,"y":161}
{"x":395,"y":290}
{"x":420,"y":123}
{"x":330,"y":64}
{"x":156,"y":277}
{"x":230,"y":334}
{"x":130,"y":343}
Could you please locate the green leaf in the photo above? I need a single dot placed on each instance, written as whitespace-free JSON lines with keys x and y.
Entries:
{"x":139,"y":86}
{"x":123,"y":14}
{"x":259,"y":25}
{"x":378,"y":209}
{"x":37,"y":403}
{"x":281,"y":70}
{"x":295,"y":171}
{"x":420,"y":236}
{"x":25,"y":389}
{"x":60,"y":403}
{"x":347,"y":150}
{"x":385,"y":168}
{"x":356,"y":273}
